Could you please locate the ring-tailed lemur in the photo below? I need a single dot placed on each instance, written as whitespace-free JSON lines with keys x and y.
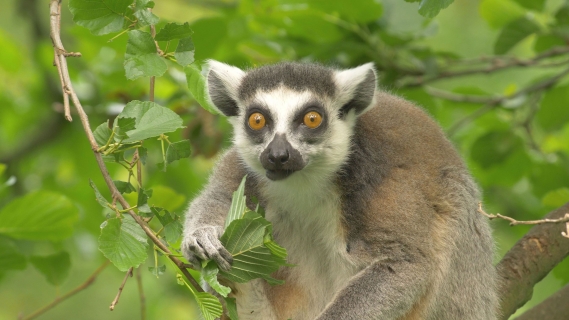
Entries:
{"x":372,"y":202}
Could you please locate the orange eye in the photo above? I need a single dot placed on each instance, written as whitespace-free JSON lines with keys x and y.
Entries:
{"x":312,"y":119}
{"x":256,"y":121}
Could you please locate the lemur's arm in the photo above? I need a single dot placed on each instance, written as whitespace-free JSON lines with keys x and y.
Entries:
{"x":383,"y":290}
{"x":206,"y":215}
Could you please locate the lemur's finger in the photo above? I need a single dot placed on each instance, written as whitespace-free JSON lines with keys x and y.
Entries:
{"x":225,"y":255}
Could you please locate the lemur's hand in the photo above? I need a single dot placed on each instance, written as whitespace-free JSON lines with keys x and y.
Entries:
{"x":203,"y":244}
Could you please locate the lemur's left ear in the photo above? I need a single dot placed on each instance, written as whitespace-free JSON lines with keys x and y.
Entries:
{"x":356,"y":88}
{"x":222,"y":83}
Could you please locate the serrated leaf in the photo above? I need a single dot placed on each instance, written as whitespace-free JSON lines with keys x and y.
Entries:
{"x":102,"y":134}
{"x":177,"y":151}
{"x":209,"y":305}
{"x":209,"y":274}
{"x":173,"y":31}
{"x":124,"y":187}
{"x":185,"y":51}
{"x":10,"y":257}
{"x":142,"y":203}
{"x":55,"y":267}
{"x":197,"y":85}
{"x":231,"y":305}
{"x":172,"y":226}
{"x":144,"y":16}
{"x":430,"y":8}
{"x":123,"y":242}
{"x":100,"y":16}
{"x":100,"y":199}
{"x":237,"y":209}
{"x":141,"y":58}
{"x":244,"y":239}
{"x":150,"y":120}
{"x":123,"y":124}
{"x":513,"y":33}
{"x":40,"y":215}
{"x":157,"y":271}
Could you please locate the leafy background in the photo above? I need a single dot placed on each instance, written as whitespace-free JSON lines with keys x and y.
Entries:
{"x":522,"y":175}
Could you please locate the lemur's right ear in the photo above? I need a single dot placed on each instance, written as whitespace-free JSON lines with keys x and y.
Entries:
{"x":222,"y":83}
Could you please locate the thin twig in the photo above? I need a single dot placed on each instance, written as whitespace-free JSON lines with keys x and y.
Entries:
{"x":55,"y":34}
{"x":64,"y":297}
{"x":141,"y":294}
{"x":496,"y":64}
{"x":116,"y":300}
{"x":492,"y":102}
{"x":514,"y":222}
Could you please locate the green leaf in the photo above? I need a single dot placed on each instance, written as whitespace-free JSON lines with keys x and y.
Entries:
{"x":237,"y":209}
{"x":556,"y":198}
{"x":536,"y":5}
{"x":231,"y":305}
{"x":513,"y":33}
{"x":172,"y":226}
{"x":499,"y":13}
{"x":197,"y":86}
{"x":102,"y":134}
{"x":10,"y":257}
{"x":100,"y":16}
{"x":55,"y":267}
{"x":209,"y":274}
{"x":150,"y":120}
{"x":177,"y":151}
{"x":2,"y":168}
{"x":123,"y":242}
{"x":553,"y":112}
{"x":141,"y":58}
{"x":157,"y":271}
{"x":100,"y":199}
{"x":142,"y":154}
{"x":40,"y":215}
{"x":142,"y":203}
{"x":185,"y":52}
{"x":209,"y":305}
{"x":173,"y":31}
{"x":124,"y":187}
{"x":495,"y":147}
{"x":361,"y":11}
{"x":430,"y":8}
{"x":245,"y":240}
{"x":144,"y":16}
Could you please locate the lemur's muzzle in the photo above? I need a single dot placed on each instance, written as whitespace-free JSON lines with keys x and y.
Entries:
{"x":280,"y":159}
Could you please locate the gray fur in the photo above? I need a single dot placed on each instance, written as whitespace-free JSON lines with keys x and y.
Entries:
{"x":296,"y":76}
{"x":413,"y":244}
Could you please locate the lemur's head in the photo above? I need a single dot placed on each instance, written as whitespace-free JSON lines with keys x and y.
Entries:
{"x":292,"y":119}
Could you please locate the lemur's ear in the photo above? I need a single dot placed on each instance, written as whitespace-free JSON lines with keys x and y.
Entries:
{"x":222,"y":83}
{"x":356,"y":88}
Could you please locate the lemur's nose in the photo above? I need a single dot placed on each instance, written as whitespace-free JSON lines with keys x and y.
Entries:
{"x":278,"y":156}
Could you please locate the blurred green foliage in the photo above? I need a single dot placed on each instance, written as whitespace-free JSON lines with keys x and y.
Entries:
{"x":517,"y":146}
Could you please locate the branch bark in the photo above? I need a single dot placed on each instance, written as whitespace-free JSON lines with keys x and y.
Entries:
{"x":555,"y":307}
{"x":529,"y":261}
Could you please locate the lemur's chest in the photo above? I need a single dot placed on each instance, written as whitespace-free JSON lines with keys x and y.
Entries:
{"x":310,"y":227}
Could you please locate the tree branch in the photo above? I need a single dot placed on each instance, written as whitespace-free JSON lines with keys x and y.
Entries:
{"x":514,"y":222}
{"x":71,"y":293}
{"x":116,"y":300}
{"x":556,"y":307}
{"x":496,"y":64}
{"x":61,"y":54}
{"x":529,"y":261}
{"x":141,"y":294}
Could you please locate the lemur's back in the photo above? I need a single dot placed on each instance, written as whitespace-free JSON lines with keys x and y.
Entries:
{"x":406,"y":178}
